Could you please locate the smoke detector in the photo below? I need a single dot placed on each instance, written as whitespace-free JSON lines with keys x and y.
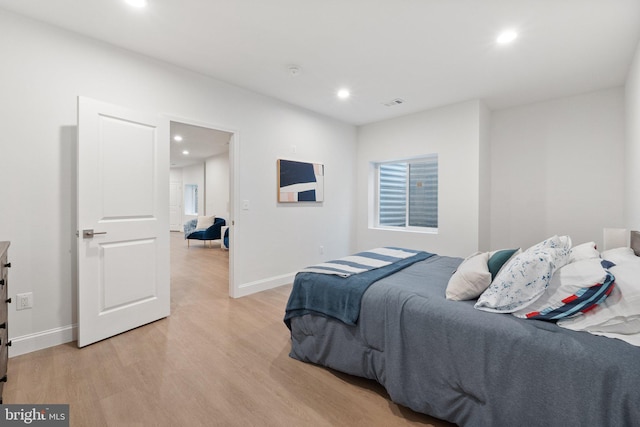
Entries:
{"x":294,"y":70}
{"x":393,"y":102}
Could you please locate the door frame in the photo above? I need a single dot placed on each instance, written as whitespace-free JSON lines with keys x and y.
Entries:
{"x":234,"y":179}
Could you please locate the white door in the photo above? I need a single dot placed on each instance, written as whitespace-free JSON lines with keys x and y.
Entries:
{"x":175,"y":206}
{"x":123,"y":197}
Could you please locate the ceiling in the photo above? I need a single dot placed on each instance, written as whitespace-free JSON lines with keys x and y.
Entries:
{"x":201,"y":143}
{"x":427,"y":52}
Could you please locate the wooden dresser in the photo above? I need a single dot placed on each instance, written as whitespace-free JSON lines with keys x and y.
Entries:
{"x":4,"y":302}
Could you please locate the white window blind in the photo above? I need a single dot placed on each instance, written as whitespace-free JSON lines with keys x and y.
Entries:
{"x":408,"y":193}
{"x":191,"y":199}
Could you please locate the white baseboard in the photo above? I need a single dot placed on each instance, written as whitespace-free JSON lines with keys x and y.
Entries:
{"x":41,"y":340}
{"x":45,"y":339}
{"x":262,"y":285}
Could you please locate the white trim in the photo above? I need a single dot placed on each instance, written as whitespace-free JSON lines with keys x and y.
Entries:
{"x":234,"y":179}
{"x":413,"y":229}
{"x":41,"y":340}
{"x":262,"y":285}
{"x":234,"y":200}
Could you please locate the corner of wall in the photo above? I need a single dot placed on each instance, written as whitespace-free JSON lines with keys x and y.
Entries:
{"x":484,"y":181}
{"x":632,"y":144}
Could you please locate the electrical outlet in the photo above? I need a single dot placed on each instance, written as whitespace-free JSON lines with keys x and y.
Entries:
{"x":24,"y":301}
{"x":321,"y":250}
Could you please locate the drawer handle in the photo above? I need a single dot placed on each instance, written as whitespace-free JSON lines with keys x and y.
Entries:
{"x":8,"y":265}
{"x":8,"y":301}
{"x":2,"y":282}
{"x":3,"y":379}
{"x":9,"y":343}
{"x":3,"y":325}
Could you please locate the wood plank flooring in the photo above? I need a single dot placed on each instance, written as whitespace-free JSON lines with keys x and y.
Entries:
{"x":216,"y":361}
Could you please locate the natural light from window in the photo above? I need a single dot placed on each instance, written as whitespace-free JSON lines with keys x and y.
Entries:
{"x":407,"y":194}
{"x":191,"y":199}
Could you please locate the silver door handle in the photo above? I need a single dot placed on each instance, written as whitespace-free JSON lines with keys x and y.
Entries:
{"x":88,"y":233}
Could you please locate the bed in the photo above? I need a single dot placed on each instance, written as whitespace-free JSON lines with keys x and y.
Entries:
{"x":452,"y":361}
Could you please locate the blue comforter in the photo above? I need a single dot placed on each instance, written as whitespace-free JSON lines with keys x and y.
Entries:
{"x":335,"y":296}
{"x":473,"y":368}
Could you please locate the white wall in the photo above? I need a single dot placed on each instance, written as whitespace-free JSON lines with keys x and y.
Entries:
{"x":175,"y":185}
{"x":175,"y":175}
{"x":44,"y":70}
{"x":217,"y":185}
{"x":513,"y":177}
{"x":557,"y":168}
{"x":632,"y":155}
{"x":454,"y":133}
{"x":212,"y":178}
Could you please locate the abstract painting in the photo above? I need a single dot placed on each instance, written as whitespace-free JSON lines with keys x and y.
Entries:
{"x":300,"y":181}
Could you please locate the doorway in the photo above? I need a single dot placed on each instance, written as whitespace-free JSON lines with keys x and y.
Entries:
{"x":201,"y":165}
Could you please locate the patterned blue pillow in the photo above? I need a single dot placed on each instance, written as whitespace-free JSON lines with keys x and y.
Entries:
{"x":525,"y":278}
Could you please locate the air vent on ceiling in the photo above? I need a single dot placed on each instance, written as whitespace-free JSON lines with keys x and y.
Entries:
{"x":393,"y":102}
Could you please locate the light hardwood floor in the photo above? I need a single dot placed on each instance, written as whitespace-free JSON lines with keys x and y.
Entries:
{"x":214,"y":361}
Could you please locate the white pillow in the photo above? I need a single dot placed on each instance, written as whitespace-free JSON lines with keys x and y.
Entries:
{"x":205,"y":222}
{"x":584,"y":251}
{"x":573,"y":289}
{"x":525,"y":277}
{"x":619,"y":255}
{"x":618,"y":314}
{"x":633,"y":339}
{"x":470,"y":279}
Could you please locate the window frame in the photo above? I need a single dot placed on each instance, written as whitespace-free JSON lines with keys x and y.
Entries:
{"x":190,"y":200}
{"x":376,"y":199}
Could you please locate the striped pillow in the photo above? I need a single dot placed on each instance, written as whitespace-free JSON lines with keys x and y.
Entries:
{"x":574,"y":289}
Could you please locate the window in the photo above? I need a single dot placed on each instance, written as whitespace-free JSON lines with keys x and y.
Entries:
{"x":407,"y":193}
{"x":191,"y":199}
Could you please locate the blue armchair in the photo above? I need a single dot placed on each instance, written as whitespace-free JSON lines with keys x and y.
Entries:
{"x":211,"y":233}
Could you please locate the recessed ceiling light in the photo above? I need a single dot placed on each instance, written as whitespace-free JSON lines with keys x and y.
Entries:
{"x":344,"y":93}
{"x":137,"y":3}
{"x":506,"y":37}
{"x":177,"y":138}
{"x":185,"y":152}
